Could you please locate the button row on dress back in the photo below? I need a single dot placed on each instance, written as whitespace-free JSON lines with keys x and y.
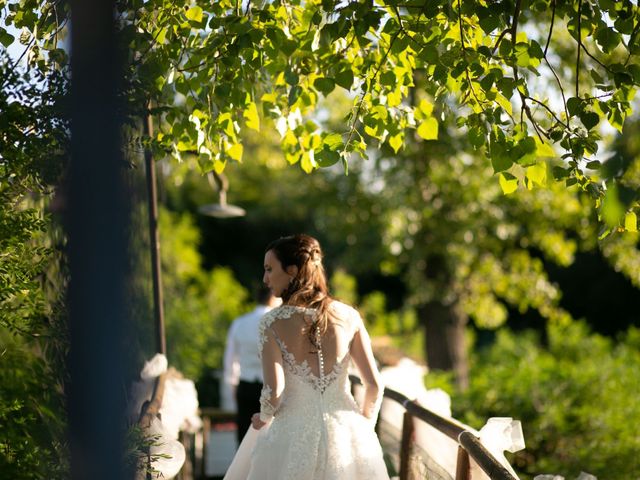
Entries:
{"x":320,"y":357}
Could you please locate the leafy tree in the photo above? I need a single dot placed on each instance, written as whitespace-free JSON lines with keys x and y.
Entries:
{"x":32,"y":275}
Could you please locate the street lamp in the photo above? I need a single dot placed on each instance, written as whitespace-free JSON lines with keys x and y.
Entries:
{"x":221,"y":209}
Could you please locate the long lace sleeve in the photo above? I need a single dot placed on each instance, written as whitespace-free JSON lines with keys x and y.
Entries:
{"x":363,"y":358}
{"x":273,"y":376}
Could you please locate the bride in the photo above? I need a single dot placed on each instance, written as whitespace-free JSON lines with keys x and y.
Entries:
{"x":309,"y":425}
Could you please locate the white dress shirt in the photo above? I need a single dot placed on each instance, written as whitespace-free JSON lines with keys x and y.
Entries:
{"x":241,"y":360}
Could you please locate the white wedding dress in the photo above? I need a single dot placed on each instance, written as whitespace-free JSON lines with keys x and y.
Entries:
{"x":315,"y":429}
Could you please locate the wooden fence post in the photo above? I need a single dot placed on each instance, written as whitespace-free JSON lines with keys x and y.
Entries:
{"x":463,"y":466}
{"x":406,"y":445}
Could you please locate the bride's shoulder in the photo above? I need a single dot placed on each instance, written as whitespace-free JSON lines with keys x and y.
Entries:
{"x":283,"y":311}
{"x":343,"y":311}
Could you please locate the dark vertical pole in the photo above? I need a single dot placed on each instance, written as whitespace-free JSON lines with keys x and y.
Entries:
{"x":406,"y":445}
{"x":158,"y":301}
{"x":97,"y":222}
{"x":463,"y":466}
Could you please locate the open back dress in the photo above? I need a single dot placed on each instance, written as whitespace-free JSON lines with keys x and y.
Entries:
{"x":315,"y":429}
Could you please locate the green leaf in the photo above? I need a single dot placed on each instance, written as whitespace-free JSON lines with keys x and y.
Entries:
{"x":631,"y":222}
{"x":308,"y":162}
{"x":607,"y":38}
{"x":388,"y":79}
{"x":489,"y":23}
{"x":194,"y":14}
{"x":294,"y":93}
{"x":544,"y":149}
{"x":596,"y":76}
{"x":508,"y":183}
{"x":396,"y":141}
{"x":612,"y":209}
{"x":324,"y":85}
{"x":6,"y":38}
{"x":574,"y":105}
{"x":615,"y":117}
{"x":594,"y":165}
{"x":560,"y":173}
{"x":327,"y":157}
{"x":589,"y":119}
{"x":426,"y":107}
{"x":429,"y":54}
{"x":500,"y":156}
{"x":506,"y":86}
{"x":538,"y":174}
{"x":476,"y":137}
{"x":291,"y":77}
{"x":251,"y":116}
{"x":500,"y":163}
{"x":504,"y":103}
{"x":535,"y":50}
{"x":345,"y":79}
{"x":428,"y":129}
{"x":524,"y":147}
{"x":235,"y":152}
{"x":634,"y":69}
{"x":333,"y":141}
{"x":522,"y":54}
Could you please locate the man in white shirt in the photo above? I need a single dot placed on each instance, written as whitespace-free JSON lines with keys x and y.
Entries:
{"x":242,"y":367}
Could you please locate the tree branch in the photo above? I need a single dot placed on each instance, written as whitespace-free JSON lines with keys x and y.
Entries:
{"x":500,"y":37}
{"x":523,"y":97}
{"x":15,"y":64}
{"x":514,"y":22}
{"x":553,"y":17}
{"x":584,"y":48}
{"x":553,"y":114}
{"x":633,"y":32}
{"x":564,"y":99}
{"x":579,"y":36}
{"x":138,"y":60}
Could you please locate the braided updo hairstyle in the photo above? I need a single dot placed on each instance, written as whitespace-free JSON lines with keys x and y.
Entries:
{"x":309,"y":287}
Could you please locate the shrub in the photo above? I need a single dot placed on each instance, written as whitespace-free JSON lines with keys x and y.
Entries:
{"x":576,"y":398}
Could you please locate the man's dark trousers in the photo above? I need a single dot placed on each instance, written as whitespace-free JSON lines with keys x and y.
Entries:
{"x":248,"y":400}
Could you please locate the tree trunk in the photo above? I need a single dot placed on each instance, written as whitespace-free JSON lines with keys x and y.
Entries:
{"x":445,"y":339}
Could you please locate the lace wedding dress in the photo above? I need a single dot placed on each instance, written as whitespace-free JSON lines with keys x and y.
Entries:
{"x":315,"y":430}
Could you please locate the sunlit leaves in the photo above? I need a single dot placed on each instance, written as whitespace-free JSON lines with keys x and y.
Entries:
{"x":537,"y":174}
{"x":194,"y":14}
{"x":251,"y":116}
{"x":631,"y":222}
{"x":428,"y":129}
{"x":396,"y":141}
{"x":508,"y":183}
{"x":234,"y":151}
{"x":251,"y":66}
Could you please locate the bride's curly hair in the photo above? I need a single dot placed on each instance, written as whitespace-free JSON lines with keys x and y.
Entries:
{"x":309,"y":287}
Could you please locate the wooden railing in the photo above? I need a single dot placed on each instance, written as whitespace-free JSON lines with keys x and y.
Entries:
{"x":469,"y":445}
{"x":151,"y":408}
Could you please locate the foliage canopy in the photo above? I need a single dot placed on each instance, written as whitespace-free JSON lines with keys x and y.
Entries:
{"x":529,"y":82}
